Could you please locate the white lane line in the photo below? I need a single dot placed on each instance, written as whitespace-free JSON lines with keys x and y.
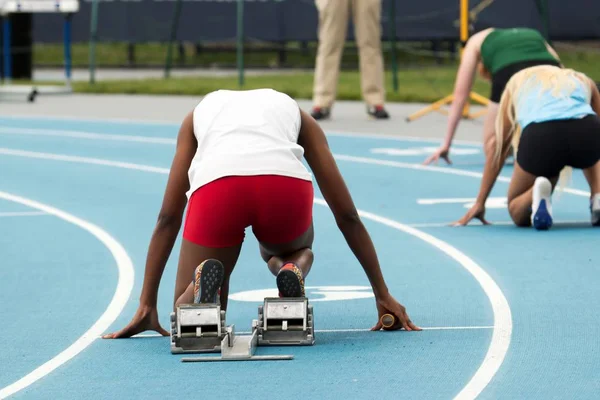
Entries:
{"x":501,"y":336}
{"x":120,"y":297}
{"x":343,"y":157}
{"x":82,"y":160}
{"x":162,"y":140}
{"x":70,"y":118}
{"x":174,"y":125}
{"x":459,"y":328}
{"x":499,"y":223}
{"x":426,"y":328}
{"x":492,"y":200}
{"x":86,"y":135}
{"x":443,"y":170}
{"x":399,"y":138}
{"x":449,"y":224}
{"x":21,"y":213}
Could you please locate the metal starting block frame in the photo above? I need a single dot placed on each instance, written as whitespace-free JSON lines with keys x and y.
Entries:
{"x":197,"y":328}
{"x":285,"y":321}
{"x":238,"y":348}
{"x":281,"y":321}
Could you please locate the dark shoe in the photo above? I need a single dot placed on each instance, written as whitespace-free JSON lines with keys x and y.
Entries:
{"x":208,"y":279}
{"x":290,"y":282}
{"x":541,"y":215}
{"x":319,"y":113}
{"x":378,"y":112}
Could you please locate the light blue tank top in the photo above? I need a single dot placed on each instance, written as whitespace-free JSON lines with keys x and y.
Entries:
{"x":540,"y":105}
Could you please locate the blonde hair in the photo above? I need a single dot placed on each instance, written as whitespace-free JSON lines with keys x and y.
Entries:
{"x":561,"y":82}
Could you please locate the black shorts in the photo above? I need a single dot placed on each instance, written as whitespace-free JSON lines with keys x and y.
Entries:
{"x":546,"y":148}
{"x":501,"y":77}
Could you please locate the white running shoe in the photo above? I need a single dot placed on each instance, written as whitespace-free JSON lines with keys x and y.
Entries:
{"x":541,"y":213}
{"x":595,"y":209}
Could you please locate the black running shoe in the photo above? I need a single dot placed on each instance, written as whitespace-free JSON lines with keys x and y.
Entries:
{"x":290,"y":281}
{"x":208,"y":279}
{"x":378,"y":112}
{"x":319,"y":113}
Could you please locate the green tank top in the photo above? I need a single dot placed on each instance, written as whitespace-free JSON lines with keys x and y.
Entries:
{"x":503,"y":47}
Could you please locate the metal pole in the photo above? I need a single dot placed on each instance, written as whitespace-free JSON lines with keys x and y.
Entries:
{"x":464,"y":24}
{"x":542,"y":6}
{"x":240,"y":42}
{"x":464,"y":36}
{"x":7,"y":53}
{"x":93,"y":39}
{"x":174,"y":25}
{"x":67,"y":44}
{"x":392,"y":22}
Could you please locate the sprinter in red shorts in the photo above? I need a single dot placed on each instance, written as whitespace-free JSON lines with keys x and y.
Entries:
{"x":238,"y":163}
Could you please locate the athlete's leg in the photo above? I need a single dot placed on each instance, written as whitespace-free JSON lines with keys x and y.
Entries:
{"x":283,"y":226}
{"x":215,"y":221}
{"x":290,"y":263}
{"x":298,"y":251}
{"x":542,"y":154}
{"x":520,"y":195}
{"x":191,"y":256}
{"x":592,"y":174}
{"x":584,"y":146}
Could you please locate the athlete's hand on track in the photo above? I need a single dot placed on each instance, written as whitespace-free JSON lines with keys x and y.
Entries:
{"x":145,"y":319}
{"x":388,"y":305}
{"x":477,"y":211}
{"x":442,"y":152}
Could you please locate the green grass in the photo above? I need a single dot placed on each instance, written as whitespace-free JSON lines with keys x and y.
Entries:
{"x":210,"y":55}
{"x":421,"y":77}
{"x":414,"y":86}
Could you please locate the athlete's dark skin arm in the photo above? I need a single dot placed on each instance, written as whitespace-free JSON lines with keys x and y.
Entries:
{"x":165,"y":233}
{"x":332,"y":185}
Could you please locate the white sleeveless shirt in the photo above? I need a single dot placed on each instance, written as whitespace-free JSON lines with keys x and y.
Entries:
{"x":241,"y":133}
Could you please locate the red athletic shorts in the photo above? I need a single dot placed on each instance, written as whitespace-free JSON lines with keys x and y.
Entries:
{"x":278,"y":208}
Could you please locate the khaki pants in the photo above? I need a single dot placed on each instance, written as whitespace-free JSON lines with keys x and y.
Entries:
{"x":333,"y":26}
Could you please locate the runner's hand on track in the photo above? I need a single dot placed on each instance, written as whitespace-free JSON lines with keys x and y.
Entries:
{"x":477,"y":211}
{"x":145,"y":319}
{"x":442,"y":152}
{"x":388,"y":305}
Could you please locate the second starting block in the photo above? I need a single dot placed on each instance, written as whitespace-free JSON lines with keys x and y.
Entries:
{"x":199,"y":328}
{"x":285,"y":321}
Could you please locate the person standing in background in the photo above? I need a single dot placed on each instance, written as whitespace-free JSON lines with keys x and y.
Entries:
{"x":333,"y":25}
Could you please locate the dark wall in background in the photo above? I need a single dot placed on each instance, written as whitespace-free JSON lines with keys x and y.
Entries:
{"x":270,"y":20}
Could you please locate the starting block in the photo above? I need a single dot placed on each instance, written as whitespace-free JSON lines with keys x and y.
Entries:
{"x":285,"y":321}
{"x":199,"y":328}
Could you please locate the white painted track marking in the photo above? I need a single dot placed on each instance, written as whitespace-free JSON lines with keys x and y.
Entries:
{"x":21,"y":213}
{"x":502,"y":314}
{"x":425,"y":328}
{"x":120,"y":297}
{"x":86,"y":135}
